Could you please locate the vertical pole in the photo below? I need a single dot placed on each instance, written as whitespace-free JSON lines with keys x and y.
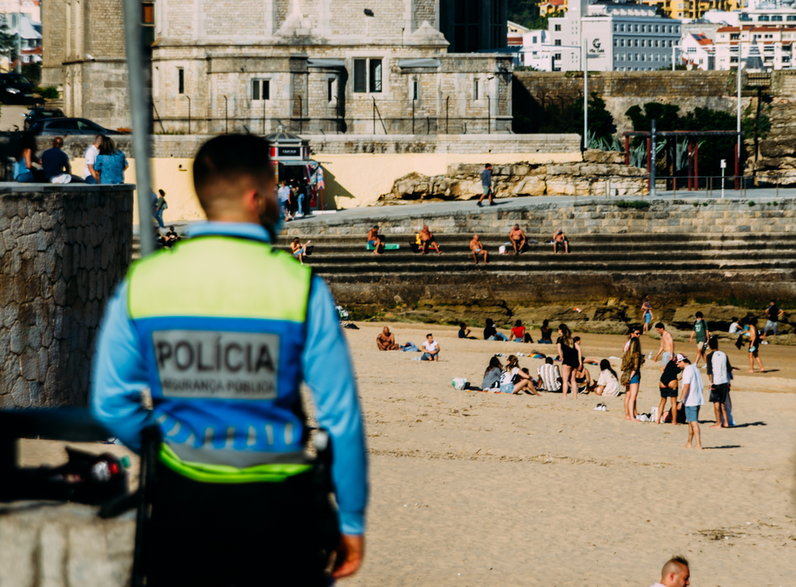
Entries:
{"x":19,"y":37}
{"x":673,"y":57}
{"x":226,"y":115}
{"x":696,"y":165}
{"x":413,"y":114}
{"x":264,"y":103}
{"x":585,"y":96}
{"x":140,"y":106}
{"x":489,"y":115}
{"x":447,"y":112}
{"x":627,"y":150}
{"x":187,"y":97}
{"x":374,"y":115}
{"x":738,"y":116}
{"x":653,"y":161}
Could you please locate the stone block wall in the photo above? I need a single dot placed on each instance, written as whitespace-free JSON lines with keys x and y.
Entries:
{"x":63,"y":249}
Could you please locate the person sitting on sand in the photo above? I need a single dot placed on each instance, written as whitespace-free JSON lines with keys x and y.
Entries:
{"x":583,"y":379}
{"x":675,"y":573}
{"x":514,"y":380}
{"x":517,"y":239}
{"x":549,"y":376}
{"x":375,"y":240}
{"x":464,"y":332}
{"x":560,"y":242}
{"x":545,"y":333}
{"x":427,"y":241}
{"x":478,"y":248}
{"x":608,"y":382}
{"x":386,"y":340}
{"x":492,"y":374}
{"x":519,"y":333}
{"x":491,"y":333}
{"x":430,"y":349}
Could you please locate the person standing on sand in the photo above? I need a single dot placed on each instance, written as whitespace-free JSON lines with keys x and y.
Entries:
{"x":719,"y":374}
{"x":571,"y":360}
{"x":646,"y":313}
{"x":486,"y":185}
{"x":631,"y":372}
{"x":675,"y":573}
{"x":754,"y":346}
{"x":702,"y":334}
{"x":666,"y":349}
{"x":691,"y":397}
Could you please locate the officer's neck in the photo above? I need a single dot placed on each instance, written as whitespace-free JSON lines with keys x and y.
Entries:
{"x":241,"y":216}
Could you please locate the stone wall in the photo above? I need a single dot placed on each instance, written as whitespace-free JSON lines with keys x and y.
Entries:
{"x":62,"y":251}
{"x":601,"y":173}
{"x":581,"y":216}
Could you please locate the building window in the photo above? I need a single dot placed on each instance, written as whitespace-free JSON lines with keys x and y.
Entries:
{"x":476,"y":89}
{"x":557,"y":42}
{"x":557,"y":56}
{"x":557,"y":28}
{"x":415,"y":90}
{"x":331,"y":89}
{"x":180,"y":80}
{"x":261,"y":89}
{"x":148,"y":13}
{"x":367,"y":75}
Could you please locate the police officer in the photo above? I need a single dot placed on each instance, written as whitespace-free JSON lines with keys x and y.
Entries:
{"x":215,"y":360}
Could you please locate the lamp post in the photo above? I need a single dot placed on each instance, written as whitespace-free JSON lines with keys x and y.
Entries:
{"x":738,"y":114}
{"x":585,"y":65}
{"x":674,"y":58}
{"x":19,"y":37}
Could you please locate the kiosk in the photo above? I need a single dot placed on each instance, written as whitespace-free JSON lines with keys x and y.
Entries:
{"x":291,"y":156}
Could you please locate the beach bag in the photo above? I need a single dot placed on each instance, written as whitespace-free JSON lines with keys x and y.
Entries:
{"x":459,"y":383}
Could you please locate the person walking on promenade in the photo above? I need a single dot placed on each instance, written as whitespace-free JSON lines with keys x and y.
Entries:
{"x":631,"y":372}
{"x":571,"y":360}
{"x":158,"y":206}
{"x":666,"y":348}
{"x":486,"y":185}
{"x":216,"y":366}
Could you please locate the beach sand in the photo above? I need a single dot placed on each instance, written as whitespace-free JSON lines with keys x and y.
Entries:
{"x":473,"y":488}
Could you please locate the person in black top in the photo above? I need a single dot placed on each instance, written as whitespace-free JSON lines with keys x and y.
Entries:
{"x":55,"y":163}
{"x":571,"y":360}
{"x":773,"y":315}
{"x":491,"y":333}
{"x":668,"y":389}
{"x":545,"y":333}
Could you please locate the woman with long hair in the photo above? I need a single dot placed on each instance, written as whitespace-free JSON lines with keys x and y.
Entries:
{"x":608,"y":382}
{"x":631,"y":372}
{"x":24,"y":172}
{"x":492,"y":374}
{"x":514,"y":380}
{"x":110,"y":163}
{"x":571,"y":360}
{"x":545,"y":333}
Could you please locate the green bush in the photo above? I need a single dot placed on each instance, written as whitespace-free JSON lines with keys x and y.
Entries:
{"x":48,"y":93}
{"x":636,"y":204}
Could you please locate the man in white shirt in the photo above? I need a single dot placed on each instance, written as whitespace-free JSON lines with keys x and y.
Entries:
{"x":430,"y":348}
{"x":90,"y":156}
{"x":675,"y":573}
{"x":720,"y":374}
{"x":283,"y":194}
{"x":549,"y":376}
{"x":691,"y":396}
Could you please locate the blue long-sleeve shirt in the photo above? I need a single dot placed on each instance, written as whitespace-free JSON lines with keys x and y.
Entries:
{"x":120,"y":376}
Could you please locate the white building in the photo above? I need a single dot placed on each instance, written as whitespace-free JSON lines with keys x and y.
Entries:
{"x":769,"y":12}
{"x":697,"y":51}
{"x":760,"y":47}
{"x":616,"y":36}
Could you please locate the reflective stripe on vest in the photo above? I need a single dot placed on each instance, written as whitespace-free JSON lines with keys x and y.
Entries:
{"x":222,"y":324}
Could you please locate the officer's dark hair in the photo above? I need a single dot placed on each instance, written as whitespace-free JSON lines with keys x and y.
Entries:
{"x":228,"y":159}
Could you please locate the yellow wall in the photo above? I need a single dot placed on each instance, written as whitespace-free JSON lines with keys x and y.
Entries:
{"x":352,"y":180}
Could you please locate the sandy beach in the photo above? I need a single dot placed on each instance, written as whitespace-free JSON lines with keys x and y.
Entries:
{"x":476,"y":489}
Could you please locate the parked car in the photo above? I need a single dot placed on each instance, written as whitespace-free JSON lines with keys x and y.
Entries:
{"x":70,"y":126}
{"x":17,"y":89}
{"x":42,"y":113}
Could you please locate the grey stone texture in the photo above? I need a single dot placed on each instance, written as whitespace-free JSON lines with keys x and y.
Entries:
{"x":63,"y":545}
{"x":601,"y":173}
{"x":62,"y":251}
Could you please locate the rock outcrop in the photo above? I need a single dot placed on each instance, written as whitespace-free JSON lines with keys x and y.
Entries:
{"x":600,"y":173}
